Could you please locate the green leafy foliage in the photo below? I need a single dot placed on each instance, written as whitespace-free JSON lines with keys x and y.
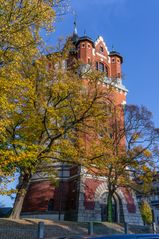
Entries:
{"x":146,"y":212}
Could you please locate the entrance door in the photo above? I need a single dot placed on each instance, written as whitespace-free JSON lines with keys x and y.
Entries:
{"x":103,"y":205}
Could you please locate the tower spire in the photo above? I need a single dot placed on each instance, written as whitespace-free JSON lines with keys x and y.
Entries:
{"x":75,"y":23}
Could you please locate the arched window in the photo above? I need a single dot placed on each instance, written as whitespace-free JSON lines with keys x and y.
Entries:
{"x":101,"y":67}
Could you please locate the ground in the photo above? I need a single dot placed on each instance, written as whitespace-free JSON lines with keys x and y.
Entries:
{"x":27,"y":228}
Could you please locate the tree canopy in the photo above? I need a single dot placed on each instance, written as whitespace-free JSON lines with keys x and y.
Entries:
{"x":124,"y":150}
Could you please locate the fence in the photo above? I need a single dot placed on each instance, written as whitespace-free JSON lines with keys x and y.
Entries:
{"x":41,"y":231}
{"x":18,"y":233}
{"x":137,"y":229}
{"x":15,"y":230}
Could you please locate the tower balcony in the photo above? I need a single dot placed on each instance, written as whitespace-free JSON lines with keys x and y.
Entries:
{"x":116,"y":83}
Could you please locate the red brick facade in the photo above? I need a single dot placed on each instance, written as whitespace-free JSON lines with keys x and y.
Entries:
{"x":90,"y":188}
{"x":93,"y":53}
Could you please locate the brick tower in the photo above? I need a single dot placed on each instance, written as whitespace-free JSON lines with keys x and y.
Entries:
{"x":80,"y":196}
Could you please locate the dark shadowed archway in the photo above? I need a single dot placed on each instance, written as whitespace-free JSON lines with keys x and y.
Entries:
{"x":101,"y":196}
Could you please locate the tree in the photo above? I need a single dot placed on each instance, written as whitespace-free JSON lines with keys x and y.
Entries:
{"x":20,"y":46}
{"x":125,"y":151}
{"x":20,"y":41}
{"x":146,"y":212}
{"x":20,"y":23}
{"x":51,"y":108}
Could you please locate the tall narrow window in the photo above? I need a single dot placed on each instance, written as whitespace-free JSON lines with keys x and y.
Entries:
{"x":106,"y":71}
{"x":97,"y":66}
{"x":101,"y":49}
{"x":101,"y":67}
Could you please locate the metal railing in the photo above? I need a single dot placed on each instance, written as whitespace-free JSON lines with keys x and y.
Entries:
{"x":41,"y":231}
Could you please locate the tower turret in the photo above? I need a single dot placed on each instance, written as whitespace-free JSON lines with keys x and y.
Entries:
{"x":116,"y":61}
{"x":85,"y":47}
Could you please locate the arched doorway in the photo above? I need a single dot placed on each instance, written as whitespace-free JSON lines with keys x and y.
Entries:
{"x":103,"y":205}
{"x":101,"y":195}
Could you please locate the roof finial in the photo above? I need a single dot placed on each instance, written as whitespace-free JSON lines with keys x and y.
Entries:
{"x":75,"y":23}
{"x":113,"y":49}
{"x":84,"y":32}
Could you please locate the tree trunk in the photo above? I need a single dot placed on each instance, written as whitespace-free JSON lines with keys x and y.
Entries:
{"x":22,"y":188}
{"x":109,"y":208}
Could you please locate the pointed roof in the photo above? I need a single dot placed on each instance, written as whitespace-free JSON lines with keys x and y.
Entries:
{"x":85,"y":38}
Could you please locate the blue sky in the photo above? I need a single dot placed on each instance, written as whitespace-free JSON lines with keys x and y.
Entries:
{"x":132,"y":27}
